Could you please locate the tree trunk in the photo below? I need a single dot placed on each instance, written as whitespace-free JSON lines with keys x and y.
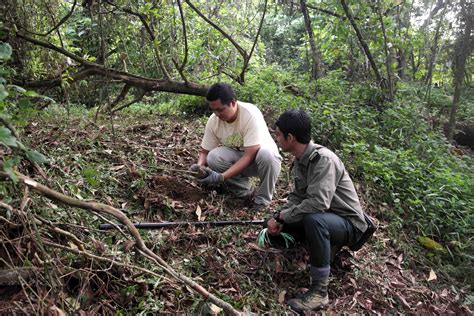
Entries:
{"x":388,"y":59}
{"x":403,"y":21}
{"x":351,"y":71}
{"x":462,"y":49}
{"x":380,"y":80}
{"x":315,"y":55}
{"x":433,"y":56}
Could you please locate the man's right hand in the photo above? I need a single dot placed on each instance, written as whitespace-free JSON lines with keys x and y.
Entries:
{"x":274,"y":228}
{"x":200,"y":170}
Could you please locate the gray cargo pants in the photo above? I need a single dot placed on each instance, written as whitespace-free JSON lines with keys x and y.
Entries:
{"x":267,"y":166}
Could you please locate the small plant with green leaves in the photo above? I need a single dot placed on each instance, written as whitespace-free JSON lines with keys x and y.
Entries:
{"x":13,"y":99}
{"x":263,"y":238}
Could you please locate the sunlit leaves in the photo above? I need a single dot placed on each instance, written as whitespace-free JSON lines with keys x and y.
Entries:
{"x":430,"y":244}
{"x":5,"y":51}
{"x":91,"y":176}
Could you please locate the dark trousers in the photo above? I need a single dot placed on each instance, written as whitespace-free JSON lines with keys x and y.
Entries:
{"x":321,"y":232}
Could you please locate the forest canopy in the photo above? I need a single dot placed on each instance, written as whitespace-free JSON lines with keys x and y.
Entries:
{"x":98,"y":97}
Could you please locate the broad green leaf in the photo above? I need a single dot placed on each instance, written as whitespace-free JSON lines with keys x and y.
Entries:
{"x":21,"y":146}
{"x":31,"y":93}
{"x":11,"y":174}
{"x":7,"y":138}
{"x":24,"y":104}
{"x":47,"y":98}
{"x":17,"y":88}
{"x":5,"y":51}
{"x":90,"y":175}
{"x":33,"y":155}
{"x":89,"y":172}
{"x":3,"y":93}
{"x":8,"y":169}
{"x":430,"y":244}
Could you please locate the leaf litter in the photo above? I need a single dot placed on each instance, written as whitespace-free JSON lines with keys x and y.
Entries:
{"x":131,"y":173}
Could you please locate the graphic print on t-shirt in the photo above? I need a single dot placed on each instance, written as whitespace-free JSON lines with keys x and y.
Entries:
{"x":234,"y":141}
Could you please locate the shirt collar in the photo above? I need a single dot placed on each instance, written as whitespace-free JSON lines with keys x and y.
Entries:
{"x":304,"y":160}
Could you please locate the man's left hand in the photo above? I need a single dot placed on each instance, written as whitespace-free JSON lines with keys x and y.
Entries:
{"x":212,"y":178}
{"x":274,"y":228}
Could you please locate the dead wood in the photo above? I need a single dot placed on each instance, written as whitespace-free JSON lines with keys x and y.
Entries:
{"x":90,"y":69}
{"x":15,"y":276}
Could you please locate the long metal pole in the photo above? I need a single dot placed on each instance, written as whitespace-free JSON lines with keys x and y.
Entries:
{"x":177,"y":224}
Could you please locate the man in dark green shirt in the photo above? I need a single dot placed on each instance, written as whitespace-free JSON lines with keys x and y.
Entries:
{"x":323,"y":207}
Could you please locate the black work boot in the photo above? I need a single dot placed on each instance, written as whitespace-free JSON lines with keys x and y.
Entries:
{"x":316,"y":297}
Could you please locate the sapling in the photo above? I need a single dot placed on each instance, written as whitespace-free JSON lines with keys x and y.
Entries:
{"x":264,"y":238}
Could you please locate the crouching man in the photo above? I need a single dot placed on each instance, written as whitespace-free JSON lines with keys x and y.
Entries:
{"x":323,"y":208}
{"x":237,"y":145}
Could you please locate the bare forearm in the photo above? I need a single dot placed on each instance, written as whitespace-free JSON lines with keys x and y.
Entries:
{"x":239,"y":166}
{"x":202,"y":159}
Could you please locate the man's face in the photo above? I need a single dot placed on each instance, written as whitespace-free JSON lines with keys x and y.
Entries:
{"x":225,"y":112}
{"x":283,"y":143}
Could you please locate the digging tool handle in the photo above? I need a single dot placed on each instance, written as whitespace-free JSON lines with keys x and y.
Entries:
{"x":176,"y":224}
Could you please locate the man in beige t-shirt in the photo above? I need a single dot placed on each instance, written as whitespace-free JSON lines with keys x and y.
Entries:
{"x":237,"y":145}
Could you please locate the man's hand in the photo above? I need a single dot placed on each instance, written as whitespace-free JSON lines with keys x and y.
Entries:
{"x":274,"y":228}
{"x":212,"y":178}
{"x":200,"y":171}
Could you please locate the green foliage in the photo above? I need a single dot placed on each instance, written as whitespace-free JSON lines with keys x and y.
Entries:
{"x":410,"y":167}
{"x":6,"y":137}
{"x":395,"y":153}
{"x":14,"y":104}
{"x":263,"y":238}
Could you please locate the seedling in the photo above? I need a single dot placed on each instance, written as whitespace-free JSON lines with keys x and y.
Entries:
{"x":263,"y":238}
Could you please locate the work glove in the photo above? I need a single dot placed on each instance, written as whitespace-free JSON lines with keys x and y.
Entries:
{"x":200,"y":171}
{"x":213,"y":178}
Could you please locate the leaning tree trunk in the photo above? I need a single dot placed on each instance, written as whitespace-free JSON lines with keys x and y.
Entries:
{"x":433,"y":56}
{"x":315,"y":55}
{"x":462,"y":50}
{"x":403,"y":22}
{"x":388,"y":59}
{"x":380,"y":80}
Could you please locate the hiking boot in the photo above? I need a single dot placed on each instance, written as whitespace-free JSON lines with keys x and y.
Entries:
{"x":247,"y":197}
{"x":317,"y":296}
{"x":314,"y":299}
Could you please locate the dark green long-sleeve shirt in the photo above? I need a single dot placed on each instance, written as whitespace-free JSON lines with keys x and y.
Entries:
{"x":322,"y":184}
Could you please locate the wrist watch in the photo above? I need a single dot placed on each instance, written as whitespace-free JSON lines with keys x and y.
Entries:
{"x":276,"y":217}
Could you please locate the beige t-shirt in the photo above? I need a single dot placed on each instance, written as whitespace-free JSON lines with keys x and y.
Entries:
{"x":248,"y":129}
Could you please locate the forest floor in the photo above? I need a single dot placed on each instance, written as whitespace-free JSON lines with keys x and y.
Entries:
{"x":133,"y":167}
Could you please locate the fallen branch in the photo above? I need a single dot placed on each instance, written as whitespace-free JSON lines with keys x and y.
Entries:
{"x":104,"y":259}
{"x":60,"y":231}
{"x":137,"y":99}
{"x":6,"y":206}
{"x":90,"y":69}
{"x":11,"y":277}
{"x":139,"y":243}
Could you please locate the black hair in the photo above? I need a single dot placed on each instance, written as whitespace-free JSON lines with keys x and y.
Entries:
{"x":221,"y":91}
{"x":296,"y":123}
